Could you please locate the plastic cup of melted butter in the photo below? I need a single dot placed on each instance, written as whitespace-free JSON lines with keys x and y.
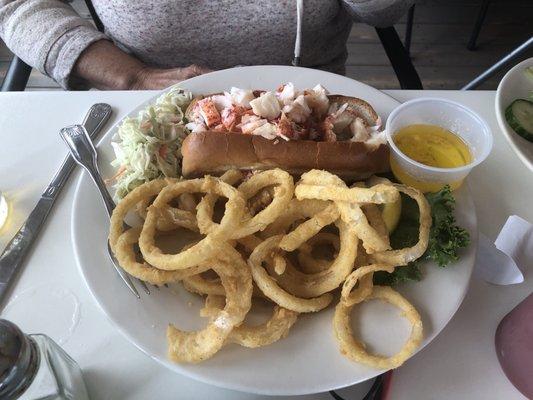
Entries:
{"x":436,"y":142}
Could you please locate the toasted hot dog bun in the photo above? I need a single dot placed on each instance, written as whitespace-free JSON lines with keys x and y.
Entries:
{"x":356,"y":107}
{"x":214,"y":153}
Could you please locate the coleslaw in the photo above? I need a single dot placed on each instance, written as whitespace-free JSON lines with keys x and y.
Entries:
{"x":149,"y":146}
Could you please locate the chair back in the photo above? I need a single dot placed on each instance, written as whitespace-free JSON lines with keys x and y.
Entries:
{"x":94,"y":16}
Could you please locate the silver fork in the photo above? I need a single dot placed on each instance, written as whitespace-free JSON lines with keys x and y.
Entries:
{"x":84,"y":153}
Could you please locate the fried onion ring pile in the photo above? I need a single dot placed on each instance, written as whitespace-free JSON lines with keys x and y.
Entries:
{"x":260,"y":238}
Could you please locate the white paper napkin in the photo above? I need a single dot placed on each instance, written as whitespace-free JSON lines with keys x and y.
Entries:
{"x":503,"y":261}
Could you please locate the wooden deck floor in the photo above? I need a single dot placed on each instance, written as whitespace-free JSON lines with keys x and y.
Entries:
{"x":440,"y":33}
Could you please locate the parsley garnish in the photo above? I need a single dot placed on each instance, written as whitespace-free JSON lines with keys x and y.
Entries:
{"x":445,"y":237}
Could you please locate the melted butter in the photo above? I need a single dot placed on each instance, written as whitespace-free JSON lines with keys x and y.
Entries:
{"x":433,"y":146}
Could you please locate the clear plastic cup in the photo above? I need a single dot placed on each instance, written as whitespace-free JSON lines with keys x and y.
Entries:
{"x":455,"y":117}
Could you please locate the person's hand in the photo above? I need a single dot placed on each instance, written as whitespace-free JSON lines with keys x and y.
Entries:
{"x":104,"y":66}
{"x":155,"y":78}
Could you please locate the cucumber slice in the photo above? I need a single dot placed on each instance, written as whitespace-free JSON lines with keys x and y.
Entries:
{"x":519,"y":116}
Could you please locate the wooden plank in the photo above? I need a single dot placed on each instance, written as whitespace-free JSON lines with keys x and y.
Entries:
{"x":444,"y":78}
{"x":448,"y":33}
{"x":458,"y":56}
{"x":442,"y":12}
{"x":380,"y":77}
{"x":428,"y":54}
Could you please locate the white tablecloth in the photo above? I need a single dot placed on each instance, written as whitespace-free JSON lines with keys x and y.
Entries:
{"x":50,"y":296}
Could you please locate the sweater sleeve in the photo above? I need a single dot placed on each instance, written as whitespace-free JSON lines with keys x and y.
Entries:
{"x":47,"y":34}
{"x":379,"y":13}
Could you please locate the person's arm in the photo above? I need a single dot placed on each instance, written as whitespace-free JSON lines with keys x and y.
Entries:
{"x":378,"y":13}
{"x":47,"y":34}
{"x":50,"y":36}
{"x":104,"y":66}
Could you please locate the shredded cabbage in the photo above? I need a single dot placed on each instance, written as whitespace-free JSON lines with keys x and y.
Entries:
{"x":149,"y":146}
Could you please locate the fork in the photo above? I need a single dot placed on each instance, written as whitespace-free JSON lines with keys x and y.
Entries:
{"x":84,"y":153}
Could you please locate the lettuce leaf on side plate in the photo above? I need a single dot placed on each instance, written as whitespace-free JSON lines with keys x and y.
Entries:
{"x":445,"y":237}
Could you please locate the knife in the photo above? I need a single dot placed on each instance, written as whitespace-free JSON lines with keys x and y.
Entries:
{"x":12,"y":258}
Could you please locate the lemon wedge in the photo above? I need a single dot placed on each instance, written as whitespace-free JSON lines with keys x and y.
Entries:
{"x":391,"y":213}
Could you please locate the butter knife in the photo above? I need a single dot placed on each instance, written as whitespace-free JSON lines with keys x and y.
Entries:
{"x":12,"y":258}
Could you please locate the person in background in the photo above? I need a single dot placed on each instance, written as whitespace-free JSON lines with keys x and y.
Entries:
{"x":154,"y":44}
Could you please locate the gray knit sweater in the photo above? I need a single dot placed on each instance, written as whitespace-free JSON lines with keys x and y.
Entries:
{"x":49,"y":35}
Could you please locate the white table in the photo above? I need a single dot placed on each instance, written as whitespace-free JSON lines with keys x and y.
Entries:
{"x":460,"y":364}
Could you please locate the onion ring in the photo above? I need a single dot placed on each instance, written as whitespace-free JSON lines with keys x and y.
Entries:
{"x":280,"y":264}
{"x":145,"y":191}
{"x":202,"y":286}
{"x":355,"y":350}
{"x":377,"y":194}
{"x":283,"y":193}
{"x":206,"y":207}
{"x":197,"y":284}
{"x":350,"y":211}
{"x":404,"y":256}
{"x":193,"y":347}
{"x":291,"y":241}
{"x":296,"y":210}
{"x":373,"y":215}
{"x":208,"y":246}
{"x":183,"y":216}
{"x":350,"y":297}
{"x":304,"y":285}
{"x":125,"y":254}
{"x":276,"y":328}
{"x":249,"y":242}
{"x":307,"y":263}
{"x":271,"y":289}
{"x":272,"y":222}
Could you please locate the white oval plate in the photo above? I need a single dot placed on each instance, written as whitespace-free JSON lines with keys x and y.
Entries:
{"x":308,"y":360}
{"x":515,"y":85}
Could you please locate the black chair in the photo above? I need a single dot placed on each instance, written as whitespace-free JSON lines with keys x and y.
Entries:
{"x":18,"y":74}
{"x":399,"y":58}
{"x":409,"y":29}
{"x":482,"y":13}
